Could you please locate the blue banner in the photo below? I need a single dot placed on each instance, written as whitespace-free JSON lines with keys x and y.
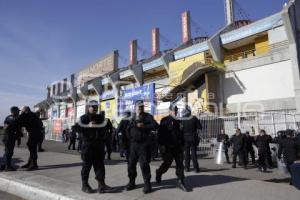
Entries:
{"x":130,"y":96}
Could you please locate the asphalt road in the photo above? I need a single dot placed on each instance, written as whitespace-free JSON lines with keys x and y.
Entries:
{"x":6,"y":196}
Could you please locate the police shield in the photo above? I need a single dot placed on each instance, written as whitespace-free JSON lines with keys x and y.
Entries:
{"x":219,"y":155}
{"x":282,"y":166}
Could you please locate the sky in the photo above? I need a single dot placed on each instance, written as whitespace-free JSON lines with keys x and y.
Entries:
{"x":42,"y":41}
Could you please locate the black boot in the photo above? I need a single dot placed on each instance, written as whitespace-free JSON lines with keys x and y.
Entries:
{"x":10,"y":168}
{"x":27,"y":164}
{"x":33,"y":166}
{"x":147,"y":187}
{"x":182,"y":186}
{"x":131,"y":185}
{"x":103,"y":188}
{"x":197,"y":170}
{"x":108,"y":157}
{"x":158,"y":176}
{"x":86,"y":188}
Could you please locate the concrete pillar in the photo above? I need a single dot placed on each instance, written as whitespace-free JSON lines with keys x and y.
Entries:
{"x":229,"y":11}
{"x":186,"y":26}
{"x":133,"y":52}
{"x":155,"y":41}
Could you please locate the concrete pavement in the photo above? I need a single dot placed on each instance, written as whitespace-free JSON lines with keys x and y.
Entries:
{"x":59,"y":178}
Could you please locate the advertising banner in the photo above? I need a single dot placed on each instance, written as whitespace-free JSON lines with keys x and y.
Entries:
{"x":130,"y":96}
{"x":109,"y":107}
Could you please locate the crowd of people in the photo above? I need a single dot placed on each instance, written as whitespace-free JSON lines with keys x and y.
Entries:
{"x":176,"y":139}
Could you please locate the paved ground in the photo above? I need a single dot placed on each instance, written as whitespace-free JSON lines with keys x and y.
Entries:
{"x":6,"y":196}
{"x":60,"y":173}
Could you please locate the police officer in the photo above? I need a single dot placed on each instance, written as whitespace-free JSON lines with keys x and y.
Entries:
{"x":12,"y":133}
{"x":123,"y":139}
{"x":263,"y":145}
{"x":108,"y":135}
{"x":191,"y":127}
{"x":40,"y":143}
{"x":223,"y":137}
{"x":73,"y":136}
{"x":171,"y":141}
{"x":238,"y":142}
{"x":289,"y":147}
{"x":139,"y":129}
{"x":33,"y":125}
{"x":92,"y":153}
{"x":249,"y":148}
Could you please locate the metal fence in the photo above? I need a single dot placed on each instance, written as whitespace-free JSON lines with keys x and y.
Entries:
{"x":271,"y":122}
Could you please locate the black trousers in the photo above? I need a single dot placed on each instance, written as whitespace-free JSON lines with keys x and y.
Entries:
{"x":190,"y":153}
{"x":263,"y":159}
{"x":252,"y":154}
{"x":226,"y":155}
{"x":72,"y":143}
{"x":79,"y":145}
{"x":108,"y":145}
{"x":32,"y":145}
{"x":139,"y":153}
{"x":241,"y":155}
{"x":170,"y":154}
{"x":92,"y":155}
{"x":8,"y":151}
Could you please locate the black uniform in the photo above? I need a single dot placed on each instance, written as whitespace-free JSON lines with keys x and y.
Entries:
{"x":190,"y":128}
{"x":171,"y":140}
{"x":73,"y":136}
{"x":92,"y":152}
{"x":33,"y":125}
{"x":289,"y":147}
{"x":12,"y":133}
{"x":249,"y":149}
{"x":225,"y":139}
{"x":239,"y":148}
{"x":263,"y":145}
{"x":108,"y":137}
{"x":123,"y":140}
{"x":140,"y":147}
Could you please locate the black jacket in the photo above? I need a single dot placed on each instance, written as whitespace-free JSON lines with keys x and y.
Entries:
{"x":32,"y":123}
{"x":223,"y":138}
{"x":239,"y":143}
{"x":190,"y":128}
{"x":289,"y":147}
{"x":92,"y":134}
{"x":250,"y":142}
{"x":140,"y":135}
{"x":122,"y":128}
{"x":170,"y":132}
{"x":13,"y":129}
{"x":263,"y":143}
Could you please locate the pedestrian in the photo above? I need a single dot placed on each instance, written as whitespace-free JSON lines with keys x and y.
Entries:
{"x":289,"y":148}
{"x":93,"y":153}
{"x":238,"y":142}
{"x":33,"y":125}
{"x":72,"y":136}
{"x":171,"y":141}
{"x":108,"y":135}
{"x":249,"y":149}
{"x":12,"y":132}
{"x":139,"y":129}
{"x":64,"y":135}
{"x":123,"y":139}
{"x":263,"y":144}
{"x":191,"y":127}
{"x":224,"y":138}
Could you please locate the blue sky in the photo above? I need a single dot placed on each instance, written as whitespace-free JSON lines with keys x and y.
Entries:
{"x":46,"y":40}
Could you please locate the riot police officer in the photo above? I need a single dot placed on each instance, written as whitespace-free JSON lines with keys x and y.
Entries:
{"x":92,"y":152}
{"x":139,"y":129}
{"x":238,"y":142}
{"x":223,"y":137}
{"x":12,"y":133}
{"x":123,"y":139}
{"x":171,"y":141}
{"x":249,"y":148}
{"x":73,"y":135}
{"x":108,"y":135}
{"x":263,"y":144}
{"x":34,"y":126}
{"x":191,"y":127}
{"x":289,"y":147}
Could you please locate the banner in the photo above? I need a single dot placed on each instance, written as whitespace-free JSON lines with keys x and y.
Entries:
{"x":109,"y":107}
{"x":130,"y":96}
